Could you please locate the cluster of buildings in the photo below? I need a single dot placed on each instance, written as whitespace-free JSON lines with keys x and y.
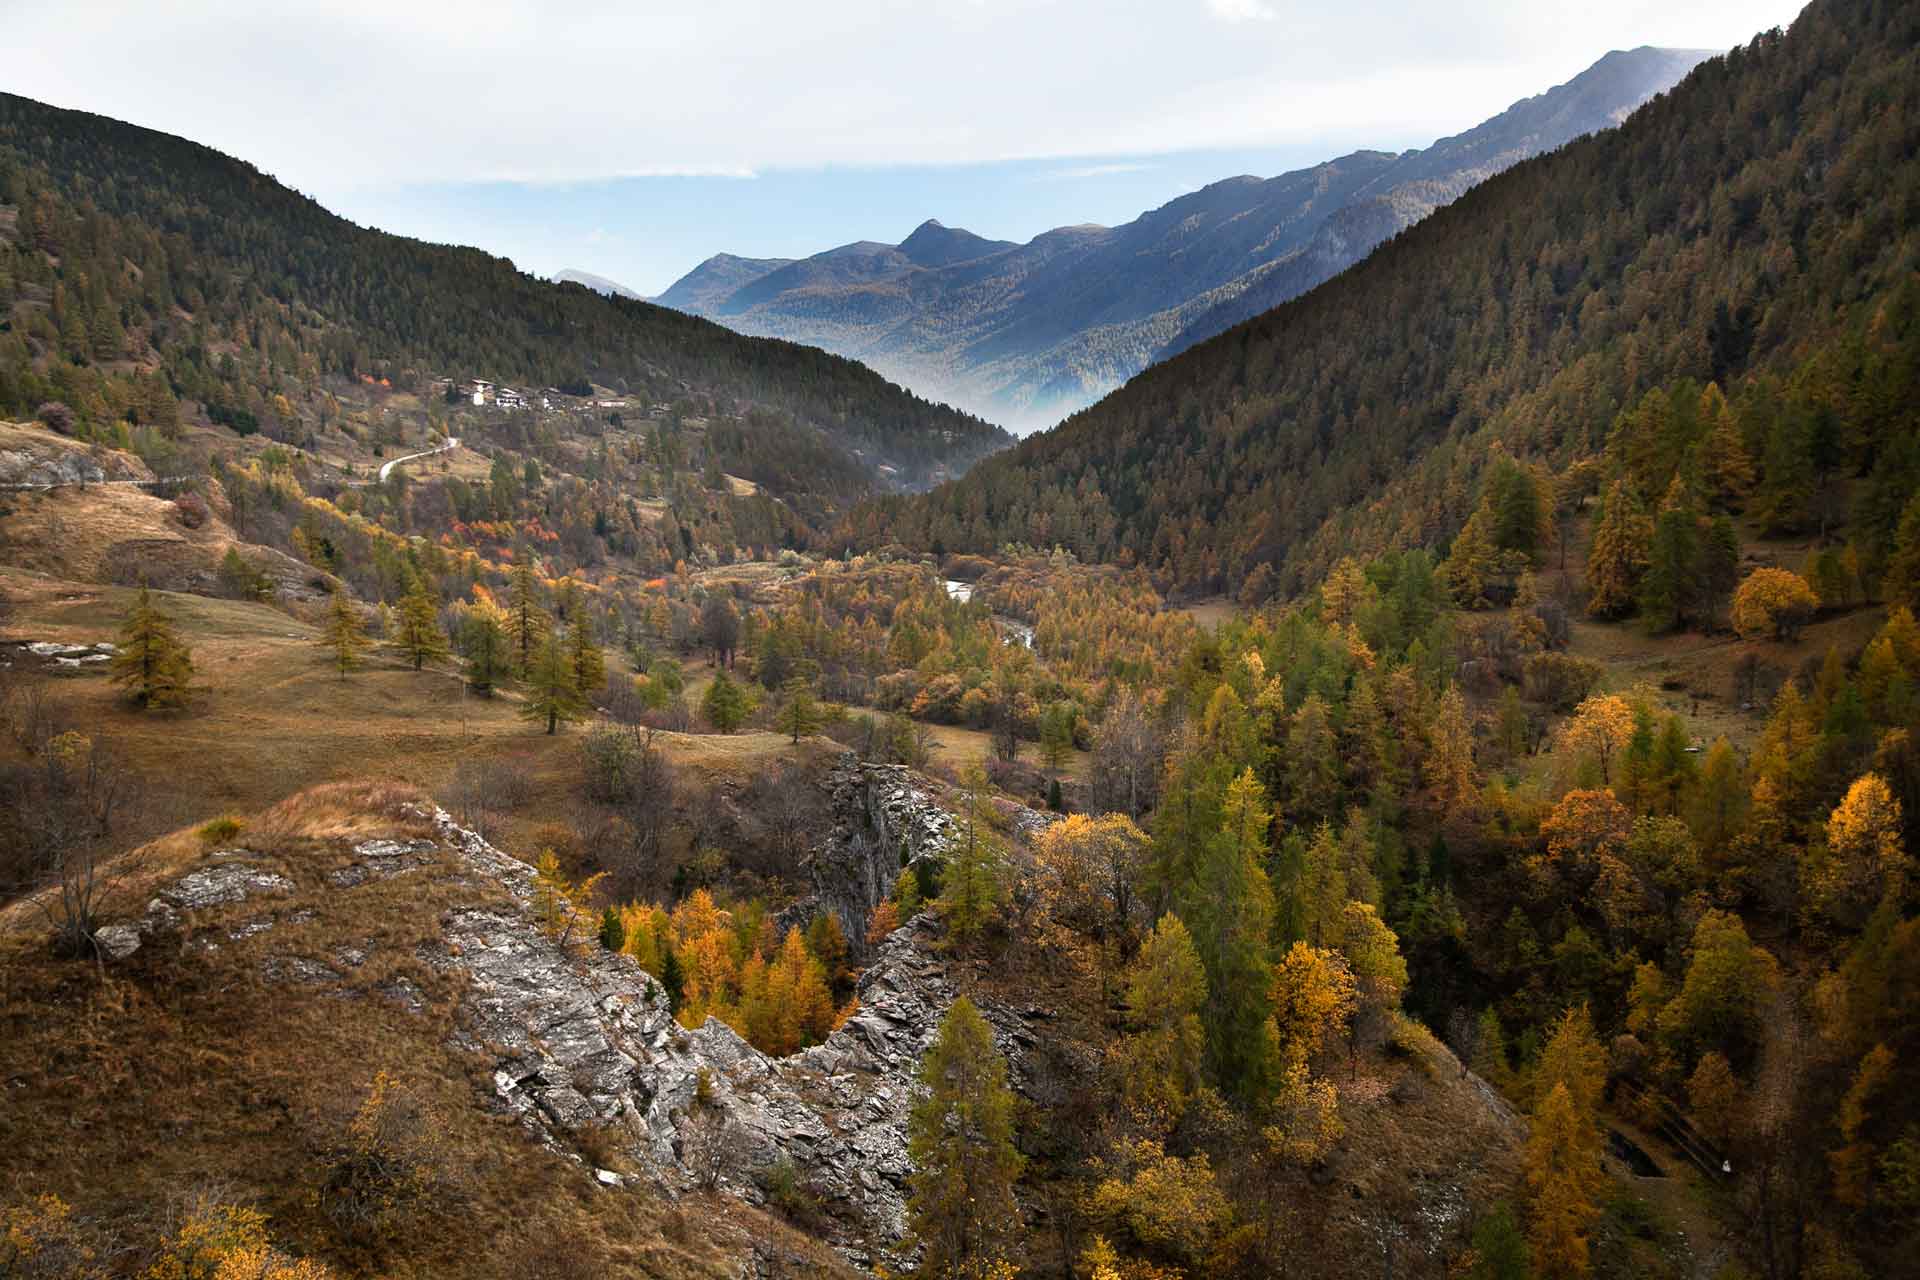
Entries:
{"x":484,"y":393}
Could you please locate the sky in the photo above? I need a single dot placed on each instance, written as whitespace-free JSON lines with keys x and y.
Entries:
{"x":633,"y":138}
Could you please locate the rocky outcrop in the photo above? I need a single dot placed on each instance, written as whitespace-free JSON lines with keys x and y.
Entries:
{"x":33,"y":458}
{"x":585,"y":1041}
{"x":581,"y":1043}
{"x":885,"y":821}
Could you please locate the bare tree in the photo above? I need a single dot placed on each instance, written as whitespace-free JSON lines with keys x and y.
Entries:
{"x":66,"y":813}
{"x":794,"y":808}
{"x":629,"y":774}
{"x":1129,"y":750}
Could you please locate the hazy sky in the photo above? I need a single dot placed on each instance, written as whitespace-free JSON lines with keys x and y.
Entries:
{"x":634,"y":138}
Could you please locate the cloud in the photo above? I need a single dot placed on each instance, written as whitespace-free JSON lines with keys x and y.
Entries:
{"x":1242,"y":10}
{"x":1076,"y":173}
{"x":342,"y":96}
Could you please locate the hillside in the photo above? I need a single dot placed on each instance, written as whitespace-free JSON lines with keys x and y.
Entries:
{"x":1703,"y":240}
{"x":132,"y":252}
{"x":1027,"y":333}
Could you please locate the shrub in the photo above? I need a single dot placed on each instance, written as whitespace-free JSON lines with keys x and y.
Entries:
{"x":55,"y":416}
{"x":220,"y":830}
{"x":190,"y":509}
{"x":391,"y":1167}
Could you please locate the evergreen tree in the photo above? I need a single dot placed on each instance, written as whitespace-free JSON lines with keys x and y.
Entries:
{"x":344,"y":633}
{"x":550,"y":693}
{"x":1564,"y":1178}
{"x":1056,"y":735}
{"x":960,"y":1204}
{"x":1721,"y":456}
{"x":527,"y":621}
{"x":724,"y":704}
{"x":1783,"y":502}
{"x":673,"y":979}
{"x":1901,"y":582}
{"x":240,"y":579}
{"x":1719,"y":570}
{"x":1499,"y":1247}
{"x":150,"y":661}
{"x":588,"y":664}
{"x":1161,"y":1057}
{"x":1229,"y":908}
{"x":799,"y":713}
{"x":1670,"y":590}
{"x":418,"y":634}
{"x":971,"y":883}
{"x":1450,"y":766}
{"x":488,"y":650}
{"x":1473,"y":562}
{"x":613,"y":932}
{"x":1618,"y":555}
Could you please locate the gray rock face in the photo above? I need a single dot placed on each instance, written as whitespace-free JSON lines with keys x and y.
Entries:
{"x":227,"y":881}
{"x":886,"y":821}
{"x":59,"y":463}
{"x":584,"y":1039}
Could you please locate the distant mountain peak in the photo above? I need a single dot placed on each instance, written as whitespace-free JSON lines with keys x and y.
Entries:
{"x":935,"y":244}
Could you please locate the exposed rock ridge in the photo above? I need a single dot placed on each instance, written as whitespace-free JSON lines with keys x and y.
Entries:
{"x":582,"y":1041}
{"x":586,"y":1041}
{"x":885,"y":821}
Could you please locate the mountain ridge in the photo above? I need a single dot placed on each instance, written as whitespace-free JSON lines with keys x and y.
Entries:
{"x":1023,"y":333}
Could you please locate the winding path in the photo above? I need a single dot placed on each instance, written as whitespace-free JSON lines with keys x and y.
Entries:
{"x":453,"y":442}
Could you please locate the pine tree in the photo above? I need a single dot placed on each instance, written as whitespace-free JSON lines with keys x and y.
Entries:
{"x":960,"y":1204}
{"x":1564,"y":1178}
{"x":550,"y":693}
{"x":1313,"y":763}
{"x":1160,"y":1059}
{"x":799,"y":713}
{"x":527,"y":621}
{"x":1671,"y":588}
{"x":673,"y":979}
{"x":1473,"y":562}
{"x":1783,"y":501}
{"x":484,"y":640}
{"x":1056,"y":735}
{"x":344,"y":633}
{"x":1229,"y":907}
{"x":1719,"y":570}
{"x":588,"y":664}
{"x":1450,"y":766}
{"x":613,"y":932}
{"x":1721,"y":456}
{"x":724,"y":704}
{"x":971,"y":883}
{"x":418,"y":634}
{"x":1618,"y":556}
{"x":1499,"y":1247}
{"x":151,"y":662}
{"x":1901,"y":582}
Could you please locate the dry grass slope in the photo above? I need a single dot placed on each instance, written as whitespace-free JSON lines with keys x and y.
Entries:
{"x":206,"y":1062}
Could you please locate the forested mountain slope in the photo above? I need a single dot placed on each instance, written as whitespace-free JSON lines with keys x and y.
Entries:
{"x":1421,"y":181}
{"x":141,"y":249}
{"x":1755,"y":217}
{"x":1027,"y":333}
